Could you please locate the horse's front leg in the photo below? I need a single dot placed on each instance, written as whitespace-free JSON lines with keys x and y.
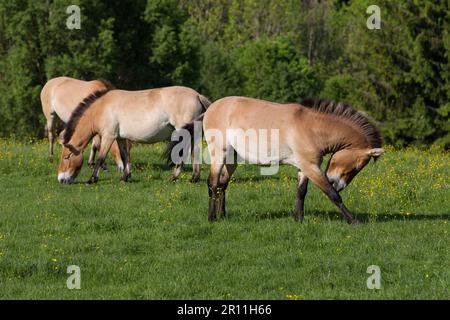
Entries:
{"x":104,"y":149}
{"x":319,"y":179}
{"x":125,"y":155}
{"x":177,"y":171}
{"x":95,"y":147}
{"x":302,"y":188}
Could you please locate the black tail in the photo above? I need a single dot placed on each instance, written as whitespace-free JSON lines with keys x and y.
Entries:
{"x":190,"y":127}
{"x":204,"y":102}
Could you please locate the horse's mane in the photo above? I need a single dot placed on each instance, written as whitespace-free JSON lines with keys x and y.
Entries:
{"x":81,"y":109}
{"x":107,"y":84}
{"x":347,"y":112}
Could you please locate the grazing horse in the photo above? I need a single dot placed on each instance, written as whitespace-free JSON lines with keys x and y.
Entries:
{"x":146,"y":116}
{"x":59,"y":97}
{"x":306,"y":132}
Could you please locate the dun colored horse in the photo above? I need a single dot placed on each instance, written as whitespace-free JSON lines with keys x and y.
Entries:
{"x":59,"y":97}
{"x":146,"y":116}
{"x":306,"y":132}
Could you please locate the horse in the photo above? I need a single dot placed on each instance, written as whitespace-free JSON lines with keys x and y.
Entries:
{"x":59,"y":97}
{"x":306,"y":132}
{"x":146,"y":116}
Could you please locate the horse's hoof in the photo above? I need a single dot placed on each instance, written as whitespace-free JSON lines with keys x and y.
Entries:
{"x":195,"y":179}
{"x":298,"y":218}
{"x":50,"y":159}
{"x":91,"y":182}
{"x":90,"y":165}
{"x":354,"y":222}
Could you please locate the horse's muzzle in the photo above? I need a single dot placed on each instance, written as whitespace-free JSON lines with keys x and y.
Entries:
{"x":64,"y":178}
{"x":337,"y":183}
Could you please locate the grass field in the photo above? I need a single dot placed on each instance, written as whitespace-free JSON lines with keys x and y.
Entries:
{"x":150,"y":239}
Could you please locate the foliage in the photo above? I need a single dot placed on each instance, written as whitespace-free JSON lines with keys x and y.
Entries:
{"x":273,"y":70}
{"x":270,"y":49}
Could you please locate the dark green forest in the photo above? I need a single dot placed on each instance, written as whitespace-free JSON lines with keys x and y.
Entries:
{"x":279,"y":50}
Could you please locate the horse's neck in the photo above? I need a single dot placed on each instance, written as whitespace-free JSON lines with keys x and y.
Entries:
{"x":85,"y":130}
{"x":339,"y":134}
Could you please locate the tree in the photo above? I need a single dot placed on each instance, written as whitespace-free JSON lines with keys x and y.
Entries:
{"x":401,"y":70}
{"x":273,"y":70}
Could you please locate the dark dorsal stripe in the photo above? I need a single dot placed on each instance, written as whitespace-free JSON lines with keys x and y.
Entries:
{"x":346,"y":111}
{"x":81,"y":109}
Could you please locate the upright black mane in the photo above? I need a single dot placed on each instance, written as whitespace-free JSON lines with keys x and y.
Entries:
{"x":81,"y":109}
{"x":346,"y":111}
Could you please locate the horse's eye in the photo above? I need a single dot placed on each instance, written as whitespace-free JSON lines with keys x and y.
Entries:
{"x":68,"y":156}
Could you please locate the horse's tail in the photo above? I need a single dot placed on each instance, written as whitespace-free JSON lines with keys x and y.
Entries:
{"x":204,"y":102}
{"x":193,"y":140}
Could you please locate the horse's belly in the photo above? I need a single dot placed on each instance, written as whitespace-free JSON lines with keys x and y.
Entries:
{"x":254,"y":148}
{"x":150,"y":133}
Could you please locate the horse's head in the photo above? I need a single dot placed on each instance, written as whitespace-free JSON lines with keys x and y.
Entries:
{"x":70,"y":163}
{"x":346,"y":164}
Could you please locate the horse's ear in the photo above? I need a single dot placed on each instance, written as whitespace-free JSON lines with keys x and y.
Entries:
{"x":60,"y":138}
{"x":376,"y":152}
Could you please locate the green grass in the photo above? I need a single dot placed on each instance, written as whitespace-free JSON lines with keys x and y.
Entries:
{"x":150,"y":239}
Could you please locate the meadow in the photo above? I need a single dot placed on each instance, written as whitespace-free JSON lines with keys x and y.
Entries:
{"x":150,"y":238}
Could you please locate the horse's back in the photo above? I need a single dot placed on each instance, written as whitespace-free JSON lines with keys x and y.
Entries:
{"x":147,"y":115}
{"x":48,"y":91}
{"x":180,"y":104}
{"x":63,"y":94}
{"x":247,"y":113}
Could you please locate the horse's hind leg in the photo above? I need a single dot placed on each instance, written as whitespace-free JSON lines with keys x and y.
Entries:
{"x":302,"y":188}
{"x":318,"y":178}
{"x":104,"y":149}
{"x":225,"y":176}
{"x":50,"y":134}
{"x":195,"y":163}
{"x":125,"y":155}
{"x":117,"y":156}
{"x":214,"y":190}
{"x":223,"y":165}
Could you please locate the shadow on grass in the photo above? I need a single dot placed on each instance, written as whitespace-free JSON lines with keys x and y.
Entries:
{"x":257,"y":178}
{"x":361,"y":217}
{"x":141,"y":166}
{"x":367,"y":217}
